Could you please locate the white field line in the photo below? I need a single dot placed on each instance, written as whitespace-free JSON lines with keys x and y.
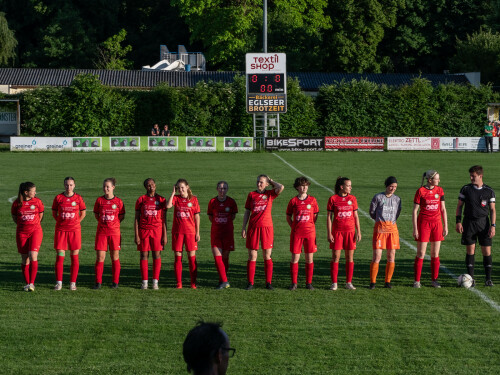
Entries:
{"x":481,"y":295}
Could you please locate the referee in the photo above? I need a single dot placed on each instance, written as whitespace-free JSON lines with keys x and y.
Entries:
{"x":479,"y":202}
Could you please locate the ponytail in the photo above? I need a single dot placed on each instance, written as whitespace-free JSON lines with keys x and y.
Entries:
{"x":23,"y":187}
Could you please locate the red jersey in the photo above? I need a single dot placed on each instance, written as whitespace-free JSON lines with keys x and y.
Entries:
{"x":184,"y":211}
{"x":430,"y":202}
{"x":343,"y":212}
{"x":68,"y":211}
{"x":304,"y":212}
{"x":109,"y":211}
{"x":152,"y":211}
{"x":27,"y":214}
{"x":260,"y":206}
{"x":222,"y":214}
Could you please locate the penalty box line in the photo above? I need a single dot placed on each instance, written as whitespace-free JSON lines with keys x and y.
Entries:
{"x":480,"y":294}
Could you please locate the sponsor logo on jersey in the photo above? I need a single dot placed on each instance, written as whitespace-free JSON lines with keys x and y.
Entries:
{"x":157,"y":203}
{"x":114,"y":206}
{"x":73,"y":204}
{"x":227,"y":209}
{"x":190,"y":204}
{"x":264,"y":197}
{"x":436,"y":196}
{"x":483,"y":203}
{"x":32,"y":207}
{"x":349,"y":203}
{"x":308,"y":206}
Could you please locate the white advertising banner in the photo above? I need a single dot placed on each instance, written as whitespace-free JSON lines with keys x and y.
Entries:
{"x":87,"y":144}
{"x":163,"y":144}
{"x":413,"y":143}
{"x":465,"y":144}
{"x":201,"y":144}
{"x":124,"y":143}
{"x":41,"y":143}
{"x":238,"y":144}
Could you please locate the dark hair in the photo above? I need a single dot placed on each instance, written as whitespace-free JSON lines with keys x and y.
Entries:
{"x":110,"y":179}
{"x":476,"y":169}
{"x":146,"y":181}
{"x":69,"y":178}
{"x":223,"y":182}
{"x":390,"y":180}
{"x":201,"y":346}
{"x":263,"y":175}
{"x":299,"y":181}
{"x":339,"y":183}
{"x":184,"y":181}
{"x":24,"y":186}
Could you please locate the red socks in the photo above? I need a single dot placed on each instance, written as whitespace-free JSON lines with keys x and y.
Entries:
{"x":349,"y":271}
{"x":33,"y":270}
{"x":178,"y":270}
{"x":99,"y":268}
{"x":156,"y":268}
{"x":144,"y":269}
{"x":309,"y":272}
{"x":75,"y":266}
{"x":226,"y":264}
{"x":334,"y":271}
{"x":115,"y":270}
{"x":251,"y":271}
{"x":435,"y":263}
{"x":221,"y":269}
{"x":417,"y":267}
{"x":26,"y":273}
{"x":59,"y":267}
{"x":268,"y":270}
{"x":193,"y":269}
{"x":294,"y":271}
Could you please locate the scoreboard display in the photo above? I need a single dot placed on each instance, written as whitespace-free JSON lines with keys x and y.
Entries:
{"x":266,"y":83}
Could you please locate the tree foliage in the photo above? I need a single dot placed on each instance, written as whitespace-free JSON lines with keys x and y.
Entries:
{"x":112,"y":53}
{"x":8,"y":42}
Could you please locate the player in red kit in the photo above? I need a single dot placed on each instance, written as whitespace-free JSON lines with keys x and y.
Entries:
{"x":150,"y":230}
{"x":27,"y":212}
{"x":258,"y":208}
{"x":343,"y":229}
{"x":301,"y":215}
{"x":69,"y":210}
{"x":185,"y":229}
{"x":109,"y":212}
{"x":221,"y":211}
{"x":427,"y":225}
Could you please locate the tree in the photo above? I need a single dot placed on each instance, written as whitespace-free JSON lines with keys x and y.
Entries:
{"x":479,"y":52}
{"x":111,"y":54}
{"x":8,"y":42}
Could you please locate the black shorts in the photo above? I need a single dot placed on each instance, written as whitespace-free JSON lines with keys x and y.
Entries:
{"x":476,"y":230}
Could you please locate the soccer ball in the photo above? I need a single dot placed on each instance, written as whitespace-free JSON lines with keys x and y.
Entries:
{"x":465,"y":280}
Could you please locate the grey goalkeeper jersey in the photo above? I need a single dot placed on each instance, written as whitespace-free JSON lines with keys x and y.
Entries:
{"x":385,"y":209}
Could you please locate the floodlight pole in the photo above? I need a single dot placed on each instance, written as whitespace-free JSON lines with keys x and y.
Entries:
{"x":264,"y":46}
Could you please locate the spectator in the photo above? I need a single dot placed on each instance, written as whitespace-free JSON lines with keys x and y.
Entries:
{"x":488,"y":136}
{"x":165,"y":131}
{"x":155,"y":131}
{"x":206,"y":349}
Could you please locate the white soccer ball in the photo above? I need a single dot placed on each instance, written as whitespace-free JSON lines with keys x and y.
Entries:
{"x":465,"y":280}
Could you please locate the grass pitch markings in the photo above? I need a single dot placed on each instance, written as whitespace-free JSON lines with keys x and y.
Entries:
{"x":480,"y":294}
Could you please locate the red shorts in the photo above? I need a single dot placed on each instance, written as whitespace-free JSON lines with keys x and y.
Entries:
{"x":103,"y":241}
{"x":68,"y":240}
{"x":183,"y":239}
{"x":150,"y":239}
{"x":27,"y":242}
{"x":386,"y":241}
{"x":430,"y":231}
{"x":264,"y":234}
{"x":222,"y":240}
{"x":309,"y":244}
{"x":343,"y":241}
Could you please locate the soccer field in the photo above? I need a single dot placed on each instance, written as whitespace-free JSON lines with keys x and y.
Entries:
{"x":131,"y":331}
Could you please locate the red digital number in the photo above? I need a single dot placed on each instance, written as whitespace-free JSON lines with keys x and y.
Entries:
{"x":269,"y":88}
{"x":254,"y":78}
{"x":262,"y":88}
{"x":277,"y":78}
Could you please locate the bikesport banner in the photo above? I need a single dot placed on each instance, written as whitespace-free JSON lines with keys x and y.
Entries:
{"x":413,"y":143}
{"x":201,"y":144}
{"x":41,"y":143}
{"x":163,"y":144}
{"x":355,"y":143}
{"x":238,"y":144}
{"x":124,"y":143}
{"x":295,"y":144}
{"x":87,"y":144}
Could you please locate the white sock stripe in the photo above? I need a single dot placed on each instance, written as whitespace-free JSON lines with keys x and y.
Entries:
{"x":481,"y":295}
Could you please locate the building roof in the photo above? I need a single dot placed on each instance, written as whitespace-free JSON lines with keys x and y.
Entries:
{"x":309,"y":81}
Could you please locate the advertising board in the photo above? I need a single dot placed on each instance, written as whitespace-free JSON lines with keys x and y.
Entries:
{"x":354,"y":143}
{"x":201,"y":144}
{"x":163,"y":143}
{"x":295,"y":144}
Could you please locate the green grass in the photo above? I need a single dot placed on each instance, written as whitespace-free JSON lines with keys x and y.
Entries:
{"x":129,"y":331}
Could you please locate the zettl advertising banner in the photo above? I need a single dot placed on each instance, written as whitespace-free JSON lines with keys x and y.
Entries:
{"x":41,"y":143}
{"x":354,"y":143}
{"x":465,"y":144}
{"x":413,"y":143}
{"x":201,"y":144}
{"x":124,"y":143}
{"x":238,"y":144}
{"x":87,"y":144}
{"x":163,"y":144}
{"x":295,"y":144}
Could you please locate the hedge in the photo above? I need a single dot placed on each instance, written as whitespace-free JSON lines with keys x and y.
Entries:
{"x":356,"y":108}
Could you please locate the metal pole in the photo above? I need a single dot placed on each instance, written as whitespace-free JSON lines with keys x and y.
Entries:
{"x":264,"y":46}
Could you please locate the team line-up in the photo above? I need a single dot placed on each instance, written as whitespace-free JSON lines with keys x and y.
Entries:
{"x":476,"y":200}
